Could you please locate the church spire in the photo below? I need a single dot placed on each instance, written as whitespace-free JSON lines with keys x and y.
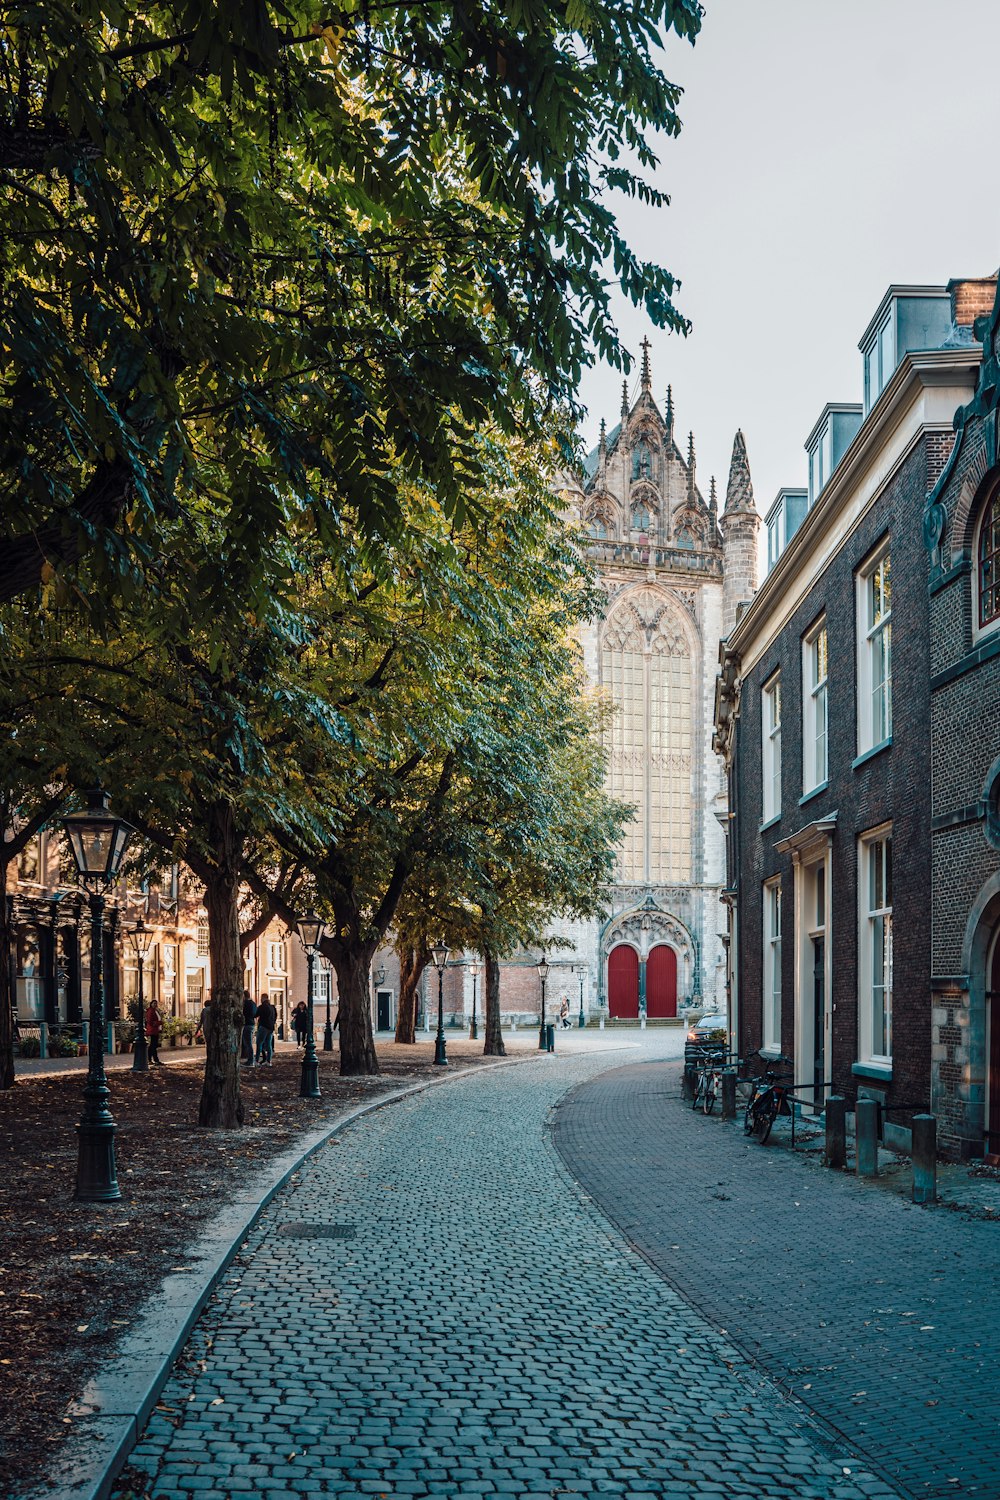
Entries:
{"x":602,"y":450}
{"x":647,"y":378}
{"x":739,"y":492}
{"x":692,"y":486}
{"x":670,"y":414}
{"x":713,"y":502}
{"x":624,"y":406}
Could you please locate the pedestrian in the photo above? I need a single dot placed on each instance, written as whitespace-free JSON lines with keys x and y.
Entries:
{"x":267,"y":1019}
{"x":246,"y":1036}
{"x":153,"y":1028}
{"x":300,"y":1022}
{"x":564,"y":1013}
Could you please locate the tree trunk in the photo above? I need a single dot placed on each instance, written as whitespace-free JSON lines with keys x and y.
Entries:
{"x":493,"y":1046}
{"x":357,"y":1043}
{"x":412,"y":962}
{"x":6,"y":996}
{"x":221,"y":1105}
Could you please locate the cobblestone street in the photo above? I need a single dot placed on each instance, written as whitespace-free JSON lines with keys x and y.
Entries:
{"x":876,"y":1314}
{"x":485,"y":1331}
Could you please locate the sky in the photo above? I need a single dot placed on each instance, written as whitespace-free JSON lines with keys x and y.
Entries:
{"x":828,"y":151}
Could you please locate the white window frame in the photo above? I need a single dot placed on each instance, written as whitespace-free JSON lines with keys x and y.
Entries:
{"x":874,"y":651}
{"x":770,"y":731}
{"x":815,"y":708}
{"x":277,"y":958}
{"x":875,"y":948}
{"x":771,"y":1019}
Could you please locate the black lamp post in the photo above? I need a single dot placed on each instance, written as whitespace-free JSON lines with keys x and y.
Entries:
{"x":583,"y":1019}
{"x":378,"y":980}
{"x":141,"y":938}
{"x":474,"y":1029}
{"x":310,"y":929}
{"x":440,"y":955}
{"x":543,"y":973}
{"x":98,"y":840}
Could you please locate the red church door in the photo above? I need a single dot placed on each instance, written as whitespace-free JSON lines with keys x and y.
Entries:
{"x":623,"y":983}
{"x":661,"y":983}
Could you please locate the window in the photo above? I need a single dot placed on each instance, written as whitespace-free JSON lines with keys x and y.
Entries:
{"x":815,"y":768}
{"x":875,"y":976}
{"x":988,"y":554}
{"x":276,"y":958}
{"x":875,"y":654}
{"x":772,"y":967}
{"x":202,"y":939}
{"x":880,"y":360}
{"x":640,"y":516}
{"x":771,"y":745}
{"x":775,"y":538}
{"x":29,"y":861}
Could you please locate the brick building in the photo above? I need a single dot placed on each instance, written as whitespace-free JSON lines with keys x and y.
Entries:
{"x":962,"y":533}
{"x":823,"y":722}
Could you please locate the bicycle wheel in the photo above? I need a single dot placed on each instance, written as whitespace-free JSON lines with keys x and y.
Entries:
{"x":708,"y":1101}
{"x":699,"y":1092}
{"x":749,"y":1113}
{"x":766,"y":1115}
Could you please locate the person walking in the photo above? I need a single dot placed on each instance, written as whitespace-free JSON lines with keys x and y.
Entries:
{"x":246,"y":1036}
{"x":267,"y":1019}
{"x":153,"y":1028}
{"x":300,"y":1022}
{"x":564,"y":1013}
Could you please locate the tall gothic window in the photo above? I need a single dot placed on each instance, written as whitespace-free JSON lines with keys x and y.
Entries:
{"x":989,"y":563}
{"x":646,"y":666}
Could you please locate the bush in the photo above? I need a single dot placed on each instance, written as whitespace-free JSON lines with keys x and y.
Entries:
{"x":30,"y":1046}
{"x":62,"y":1044}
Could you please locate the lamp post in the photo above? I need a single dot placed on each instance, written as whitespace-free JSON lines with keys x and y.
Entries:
{"x":440,"y":955}
{"x":141,"y":938}
{"x":474,"y":1029}
{"x":310,"y":929}
{"x":543,"y":973}
{"x":583,"y":1019}
{"x":98,"y":841}
{"x":378,"y":979}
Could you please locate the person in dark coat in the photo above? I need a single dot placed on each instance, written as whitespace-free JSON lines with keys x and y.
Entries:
{"x":267,"y":1020}
{"x":300,"y":1022}
{"x":246,"y":1036}
{"x":153,"y":1028}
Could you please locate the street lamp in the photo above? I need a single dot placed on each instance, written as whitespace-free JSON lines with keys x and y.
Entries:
{"x":310,"y":930}
{"x":543,"y":973}
{"x":378,"y":980}
{"x":328,"y":1028}
{"x":583,"y":1019}
{"x":98,"y":841}
{"x":474,"y":1029}
{"x":141,"y":938}
{"x":440,"y":955}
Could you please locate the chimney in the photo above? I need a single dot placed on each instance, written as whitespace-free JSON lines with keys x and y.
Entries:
{"x":971,"y":298}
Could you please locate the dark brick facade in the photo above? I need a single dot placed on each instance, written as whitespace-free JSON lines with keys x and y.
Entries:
{"x":965,"y":745}
{"x":892,"y":785}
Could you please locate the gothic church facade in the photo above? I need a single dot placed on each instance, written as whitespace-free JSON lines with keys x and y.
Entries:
{"x":674,"y":571}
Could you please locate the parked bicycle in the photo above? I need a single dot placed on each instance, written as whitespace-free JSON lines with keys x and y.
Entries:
{"x":708,"y":1083}
{"x":769,"y":1097}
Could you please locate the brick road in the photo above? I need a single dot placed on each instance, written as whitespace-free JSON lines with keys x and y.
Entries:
{"x":880,"y":1316}
{"x":486,"y":1332}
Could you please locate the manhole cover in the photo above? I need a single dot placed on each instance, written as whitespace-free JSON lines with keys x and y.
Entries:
{"x":300,"y":1229}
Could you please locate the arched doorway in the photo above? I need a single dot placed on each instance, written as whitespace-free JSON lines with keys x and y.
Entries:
{"x":661,"y":983}
{"x":623,"y":983}
{"x":993,"y":1050}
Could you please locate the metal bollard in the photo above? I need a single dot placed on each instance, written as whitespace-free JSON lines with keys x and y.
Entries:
{"x":550,"y":1038}
{"x":43,"y":1040}
{"x":687,"y":1082}
{"x":924,"y":1155}
{"x":866,"y":1126}
{"x":835,"y":1154}
{"x":729,"y":1095}
{"x":110,"y":1039}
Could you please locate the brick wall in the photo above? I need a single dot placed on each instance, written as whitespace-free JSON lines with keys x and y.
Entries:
{"x":971,"y":298}
{"x":892,"y":785}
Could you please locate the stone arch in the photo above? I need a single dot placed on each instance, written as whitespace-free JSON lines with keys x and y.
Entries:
{"x":601,"y":516}
{"x":971,"y":496}
{"x":664,"y":929}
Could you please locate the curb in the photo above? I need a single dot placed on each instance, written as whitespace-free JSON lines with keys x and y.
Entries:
{"x":110,"y":1413}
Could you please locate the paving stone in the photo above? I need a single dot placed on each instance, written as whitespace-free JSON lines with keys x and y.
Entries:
{"x":488,"y":1332}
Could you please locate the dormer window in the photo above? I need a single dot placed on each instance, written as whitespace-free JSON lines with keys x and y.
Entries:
{"x":640,"y":516}
{"x":908,"y":318}
{"x":828,"y":442}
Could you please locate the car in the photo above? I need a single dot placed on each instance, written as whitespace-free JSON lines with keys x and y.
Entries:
{"x":710,"y":1034}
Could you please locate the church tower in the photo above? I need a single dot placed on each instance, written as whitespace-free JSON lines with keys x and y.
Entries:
{"x":656,"y":547}
{"x":740,"y":524}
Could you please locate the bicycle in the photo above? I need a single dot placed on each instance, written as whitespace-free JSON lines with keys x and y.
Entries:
{"x":769,"y":1095}
{"x":709,"y":1074}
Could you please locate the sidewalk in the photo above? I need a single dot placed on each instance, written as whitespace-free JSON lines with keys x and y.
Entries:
{"x":873,"y":1314}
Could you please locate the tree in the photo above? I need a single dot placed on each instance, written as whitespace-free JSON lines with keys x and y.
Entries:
{"x":259,"y":256}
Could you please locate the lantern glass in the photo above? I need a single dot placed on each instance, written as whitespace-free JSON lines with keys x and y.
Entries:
{"x":543,"y":967}
{"x":380,"y":975}
{"x":141,"y":937}
{"x":97,"y":838}
{"x":311,"y":930}
{"x":440,"y":953}
{"x":474,"y":970}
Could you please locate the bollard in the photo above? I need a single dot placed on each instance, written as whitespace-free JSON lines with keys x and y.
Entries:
{"x":602,"y":1023}
{"x":550,"y":1038}
{"x":924,"y":1158}
{"x":687,"y":1082}
{"x":729,"y":1096}
{"x":866,"y":1128}
{"x":43,"y":1040}
{"x":836,"y":1131}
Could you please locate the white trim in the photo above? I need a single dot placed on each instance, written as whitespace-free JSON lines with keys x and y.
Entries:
{"x":815,"y":706}
{"x":770,"y":733}
{"x":771,"y":988}
{"x":874,"y":646}
{"x":868,"y":915}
